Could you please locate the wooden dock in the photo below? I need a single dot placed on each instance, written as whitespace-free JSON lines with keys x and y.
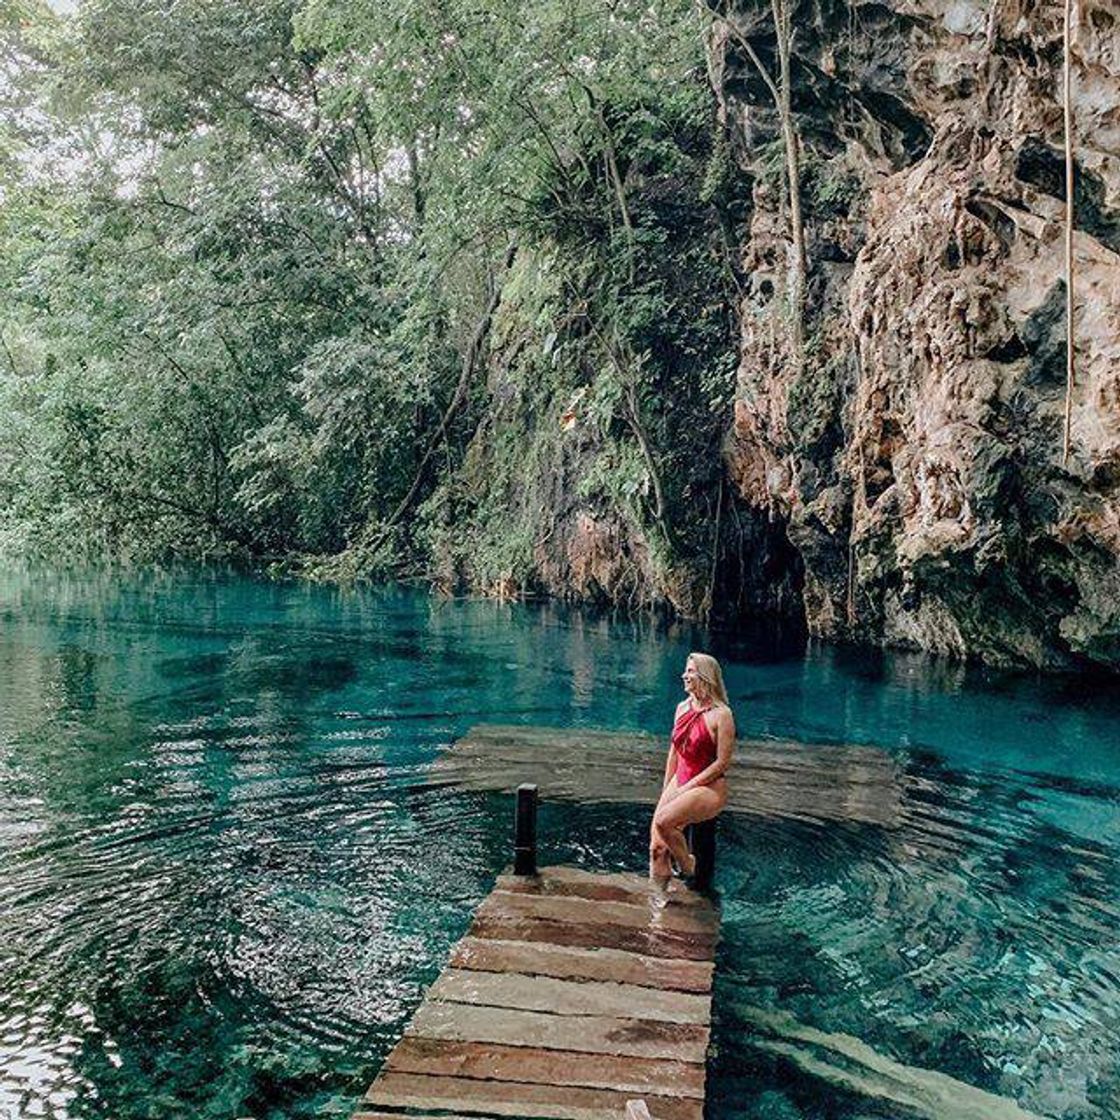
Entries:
{"x":572,"y":994}
{"x":769,"y":778}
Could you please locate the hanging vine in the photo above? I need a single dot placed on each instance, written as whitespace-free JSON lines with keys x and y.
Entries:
{"x":780,"y":93}
{"x":1067,"y":107}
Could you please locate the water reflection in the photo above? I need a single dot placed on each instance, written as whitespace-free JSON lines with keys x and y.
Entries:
{"x":226,"y":874}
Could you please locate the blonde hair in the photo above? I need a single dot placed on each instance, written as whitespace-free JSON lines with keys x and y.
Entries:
{"x":708,"y":670}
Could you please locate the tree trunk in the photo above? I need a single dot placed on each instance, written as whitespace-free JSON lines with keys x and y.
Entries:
{"x":368,"y":552}
{"x":1068,"y":115}
{"x":793,"y":171}
{"x":780,"y":93}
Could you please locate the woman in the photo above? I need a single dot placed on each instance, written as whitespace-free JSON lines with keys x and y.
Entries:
{"x":695,"y":788}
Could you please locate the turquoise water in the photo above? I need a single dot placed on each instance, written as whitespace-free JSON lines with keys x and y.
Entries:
{"x":226,"y":876}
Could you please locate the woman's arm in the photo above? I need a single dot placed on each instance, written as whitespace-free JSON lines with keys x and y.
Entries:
{"x":725,"y":743}
{"x":671,"y":761}
{"x":670,"y":766}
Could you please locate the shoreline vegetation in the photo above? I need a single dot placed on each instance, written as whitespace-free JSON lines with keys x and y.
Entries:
{"x":762,"y":638}
{"x":563,"y":300}
{"x":377,"y":293}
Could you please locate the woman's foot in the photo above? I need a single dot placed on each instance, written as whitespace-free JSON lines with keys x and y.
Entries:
{"x":686,"y":870}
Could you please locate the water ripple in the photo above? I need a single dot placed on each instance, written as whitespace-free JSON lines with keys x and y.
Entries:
{"x":228,"y":872}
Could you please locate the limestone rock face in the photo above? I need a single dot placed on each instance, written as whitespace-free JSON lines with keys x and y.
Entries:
{"x":914,"y":446}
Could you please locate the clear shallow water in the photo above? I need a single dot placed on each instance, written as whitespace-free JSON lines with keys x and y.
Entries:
{"x":226,"y":879}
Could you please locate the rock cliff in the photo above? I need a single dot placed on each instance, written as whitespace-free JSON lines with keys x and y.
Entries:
{"x":912,"y":445}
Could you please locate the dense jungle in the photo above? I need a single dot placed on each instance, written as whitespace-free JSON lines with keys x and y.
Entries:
{"x":755,"y":311}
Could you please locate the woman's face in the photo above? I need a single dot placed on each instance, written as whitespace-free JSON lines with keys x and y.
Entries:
{"x":693,"y":685}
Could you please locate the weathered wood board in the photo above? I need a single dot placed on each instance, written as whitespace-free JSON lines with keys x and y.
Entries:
{"x":768,"y":778}
{"x":658,"y":1076}
{"x":567,"y":963}
{"x":572,"y":994}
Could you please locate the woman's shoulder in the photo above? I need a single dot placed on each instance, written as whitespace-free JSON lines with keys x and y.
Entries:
{"x":682,"y":707}
{"x":722,"y":712}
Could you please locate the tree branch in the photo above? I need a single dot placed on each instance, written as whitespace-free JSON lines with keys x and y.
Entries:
{"x":1067,"y":113}
{"x":470,"y":360}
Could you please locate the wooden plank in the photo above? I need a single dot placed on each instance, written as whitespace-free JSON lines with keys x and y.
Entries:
{"x":573,"y":996}
{"x":800,"y":781}
{"x":680,"y":919}
{"x":366,"y":1115}
{"x":615,"y":887}
{"x":650,"y":942}
{"x":570,"y":997}
{"x":595,"y":747}
{"x":489,"y":1061}
{"x":566,"y":963}
{"x":406,"y":1090}
{"x":683,"y":1042}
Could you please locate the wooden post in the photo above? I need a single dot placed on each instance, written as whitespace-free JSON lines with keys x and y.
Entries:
{"x":525,"y":831}
{"x":702,"y":843}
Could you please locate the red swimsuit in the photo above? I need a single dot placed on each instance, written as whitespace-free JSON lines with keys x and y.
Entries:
{"x":693,"y":742}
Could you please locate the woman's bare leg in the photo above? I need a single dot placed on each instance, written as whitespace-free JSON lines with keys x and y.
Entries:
{"x":690,"y":807}
{"x":659,"y":868}
{"x":675,"y":841}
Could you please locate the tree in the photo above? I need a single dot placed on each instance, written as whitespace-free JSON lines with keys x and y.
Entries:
{"x":1067,"y":116}
{"x":261,"y":275}
{"x":779,"y":91}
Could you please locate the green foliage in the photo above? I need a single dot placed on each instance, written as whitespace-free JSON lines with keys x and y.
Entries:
{"x":769,"y":165}
{"x":719,"y":172}
{"x":831,"y":186}
{"x":619,"y":394}
{"x":815,"y":394}
{"x":247,"y":274}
